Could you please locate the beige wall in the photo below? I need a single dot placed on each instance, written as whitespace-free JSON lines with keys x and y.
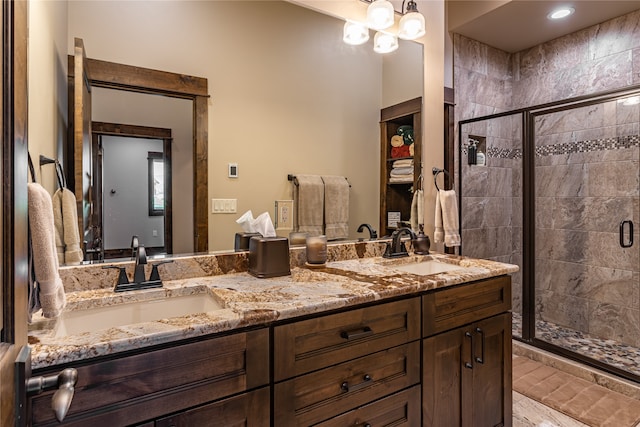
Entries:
{"x":290,"y":122}
{"x":47,"y":70}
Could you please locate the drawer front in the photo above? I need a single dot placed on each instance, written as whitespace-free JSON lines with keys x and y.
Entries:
{"x":321,"y":395}
{"x":314,"y":344}
{"x":449,"y":308}
{"x":398,"y":410}
{"x":136,"y":388}
{"x":247,"y":410}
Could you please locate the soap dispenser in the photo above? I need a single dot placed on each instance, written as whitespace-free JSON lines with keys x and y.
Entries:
{"x":421,"y":243}
{"x":480,"y":158}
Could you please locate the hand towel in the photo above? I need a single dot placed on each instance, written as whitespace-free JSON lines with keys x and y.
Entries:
{"x":404,"y":163}
{"x":402,"y":171}
{"x":65,"y":217}
{"x":43,"y":250}
{"x":336,"y":207}
{"x":397,"y":141}
{"x":417,"y":212}
{"x":309,"y":200}
{"x":446,"y":220}
{"x":403,"y":179}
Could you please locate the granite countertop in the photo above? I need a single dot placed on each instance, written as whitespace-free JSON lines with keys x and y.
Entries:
{"x":246,"y":301}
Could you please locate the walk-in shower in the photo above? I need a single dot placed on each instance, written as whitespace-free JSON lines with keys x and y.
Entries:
{"x":558,"y":194}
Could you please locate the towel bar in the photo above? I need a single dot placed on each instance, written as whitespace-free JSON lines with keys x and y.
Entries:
{"x":437,"y":171}
{"x":291,"y":177}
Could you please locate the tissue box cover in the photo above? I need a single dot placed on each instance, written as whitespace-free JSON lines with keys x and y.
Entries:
{"x":269,"y":257}
{"x":242,"y":241}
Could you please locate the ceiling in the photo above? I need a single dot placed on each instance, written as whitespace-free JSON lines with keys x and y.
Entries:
{"x":515,"y":25}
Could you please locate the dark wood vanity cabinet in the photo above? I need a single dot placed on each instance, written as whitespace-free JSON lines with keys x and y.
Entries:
{"x":145,"y":387}
{"x":466,"y":377}
{"x":334,"y":365}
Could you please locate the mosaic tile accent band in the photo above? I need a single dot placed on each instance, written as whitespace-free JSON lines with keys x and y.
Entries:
{"x":601,"y":144}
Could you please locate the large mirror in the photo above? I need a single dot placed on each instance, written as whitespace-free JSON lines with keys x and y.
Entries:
{"x":287,"y":97}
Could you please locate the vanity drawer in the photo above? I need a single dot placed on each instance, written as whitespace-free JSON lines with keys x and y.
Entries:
{"x":248,"y":409}
{"x":399,"y":410}
{"x":449,"y":308}
{"x":140,"y":387}
{"x":318,"y":396}
{"x":314,"y":344}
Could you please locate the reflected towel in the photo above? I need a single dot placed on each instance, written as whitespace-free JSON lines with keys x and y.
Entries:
{"x":417,"y":210}
{"x":309,"y":200}
{"x":401,"y":171}
{"x":446,"y":220}
{"x":65,"y":219}
{"x":43,"y":252}
{"x":336,"y":207}
{"x":404,"y":179}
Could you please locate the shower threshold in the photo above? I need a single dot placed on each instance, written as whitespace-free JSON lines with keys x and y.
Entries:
{"x":609,"y":352}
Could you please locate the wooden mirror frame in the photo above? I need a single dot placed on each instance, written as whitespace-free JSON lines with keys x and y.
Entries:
{"x":144,"y":80}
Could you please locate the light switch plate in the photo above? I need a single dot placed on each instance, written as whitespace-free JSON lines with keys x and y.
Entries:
{"x":224,"y":206}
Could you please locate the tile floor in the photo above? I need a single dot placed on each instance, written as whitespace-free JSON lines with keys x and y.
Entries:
{"x":608,"y":351}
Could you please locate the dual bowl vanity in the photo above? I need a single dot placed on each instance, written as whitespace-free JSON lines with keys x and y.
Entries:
{"x":419,"y":340}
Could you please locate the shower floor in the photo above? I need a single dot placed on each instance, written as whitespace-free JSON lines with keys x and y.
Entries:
{"x":608,"y":351}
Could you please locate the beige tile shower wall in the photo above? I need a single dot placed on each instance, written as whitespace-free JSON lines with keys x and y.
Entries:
{"x":487,"y":80}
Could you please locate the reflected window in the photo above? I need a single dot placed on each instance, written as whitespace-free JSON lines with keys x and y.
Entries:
{"x":156,"y":183}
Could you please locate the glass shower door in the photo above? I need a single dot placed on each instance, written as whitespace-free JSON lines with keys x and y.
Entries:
{"x":587,"y":223}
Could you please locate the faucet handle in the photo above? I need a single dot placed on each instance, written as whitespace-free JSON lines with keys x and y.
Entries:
{"x":122,"y":275}
{"x":155,"y":274}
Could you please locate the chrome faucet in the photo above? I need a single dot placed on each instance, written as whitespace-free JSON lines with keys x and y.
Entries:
{"x":372,"y":233}
{"x":396,"y":248}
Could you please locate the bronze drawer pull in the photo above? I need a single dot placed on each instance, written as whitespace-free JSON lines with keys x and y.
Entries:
{"x":357,"y":333}
{"x":366,"y":380}
{"x":470,"y":363}
{"x":362,"y":425}
{"x":481,"y":358}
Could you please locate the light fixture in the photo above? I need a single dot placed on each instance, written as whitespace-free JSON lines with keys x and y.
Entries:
{"x":561,"y":13}
{"x":380,"y":14}
{"x":412,"y":23}
{"x":355,"y":33}
{"x":384,"y":42}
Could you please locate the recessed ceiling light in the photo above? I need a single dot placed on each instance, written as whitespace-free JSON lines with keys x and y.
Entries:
{"x":561,"y":13}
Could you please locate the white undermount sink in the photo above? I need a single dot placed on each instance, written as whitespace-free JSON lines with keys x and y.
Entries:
{"x":422,"y":267}
{"x":428,"y":267}
{"x":94,"y":319}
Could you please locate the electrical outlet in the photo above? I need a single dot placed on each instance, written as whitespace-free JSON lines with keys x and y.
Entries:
{"x":284,"y":214}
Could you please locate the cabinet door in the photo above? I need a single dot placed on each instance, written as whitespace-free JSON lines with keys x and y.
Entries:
{"x":443,"y":378}
{"x":492,"y":372}
{"x":467,"y":375}
{"x":249,"y":409}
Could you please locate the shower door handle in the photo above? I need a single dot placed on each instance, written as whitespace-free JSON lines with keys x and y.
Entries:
{"x":629,"y":243}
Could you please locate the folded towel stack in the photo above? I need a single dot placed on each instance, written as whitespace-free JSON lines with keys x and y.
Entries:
{"x":47,"y":291}
{"x":401,"y":171}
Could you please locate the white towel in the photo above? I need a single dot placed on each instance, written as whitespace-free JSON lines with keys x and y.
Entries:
{"x":404,"y":163}
{"x":402,"y":171}
{"x":417,"y":210}
{"x":401,"y":179}
{"x":43,"y":249}
{"x":65,"y":217}
{"x":309,"y":201}
{"x":446,"y":219}
{"x":336,"y":207}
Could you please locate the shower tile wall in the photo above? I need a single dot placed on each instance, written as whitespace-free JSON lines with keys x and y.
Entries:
{"x":487,"y":80}
{"x":587,"y":182}
{"x":491,"y":195}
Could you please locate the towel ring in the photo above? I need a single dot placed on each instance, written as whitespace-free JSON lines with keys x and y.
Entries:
{"x":437,"y":171}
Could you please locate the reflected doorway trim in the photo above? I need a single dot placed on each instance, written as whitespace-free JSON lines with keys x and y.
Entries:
{"x":111,"y":75}
{"x":99,"y":129}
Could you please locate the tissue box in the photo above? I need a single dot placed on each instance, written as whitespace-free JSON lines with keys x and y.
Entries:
{"x":269,"y":257}
{"x":242,"y":241}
